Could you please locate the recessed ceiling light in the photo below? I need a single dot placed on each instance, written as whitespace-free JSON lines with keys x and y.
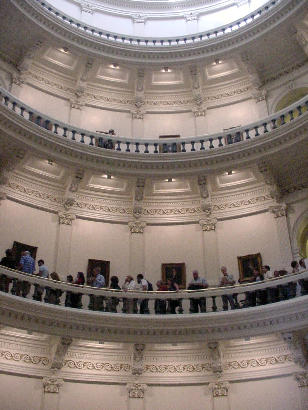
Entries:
{"x":217,"y":61}
{"x":64,"y":50}
{"x":115,"y":66}
{"x":166,"y":70}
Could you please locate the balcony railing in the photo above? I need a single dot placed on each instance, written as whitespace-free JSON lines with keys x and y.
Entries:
{"x":154,"y":302}
{"x":239,"y":135}
{"x":162,"y":42}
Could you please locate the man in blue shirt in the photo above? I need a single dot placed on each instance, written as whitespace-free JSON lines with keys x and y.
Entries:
{"x":98,"y":281}
{"x":27,"y":265}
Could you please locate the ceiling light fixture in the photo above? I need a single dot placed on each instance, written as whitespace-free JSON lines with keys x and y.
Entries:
{"x":64,"y":50}
{"x":115,"y":66}
{"x":217,"y":62}
{"x":166,"y":70}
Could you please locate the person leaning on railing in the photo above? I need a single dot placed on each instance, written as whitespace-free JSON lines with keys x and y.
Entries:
{"x":112,"y":302}
{"x":9,"y":262}
{"x":160,"y":305}
{"x":53,"y":295}
{"x":197,"y":283}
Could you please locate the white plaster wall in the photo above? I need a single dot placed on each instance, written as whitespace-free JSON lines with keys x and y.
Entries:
{"x":247,"y":235}
{"x":28,"y":225}
{"x":98,"y":240}
{"x":20,"y":392}
{"x":169,"y":124}
{"x":238,"y":114}
{"x":50,"y":105}
{"x":80,"y":396}
{"x":95,"y":119}
{"x":270,"y":394}
{"x":178,"y":398}
{"x":174,"y":243}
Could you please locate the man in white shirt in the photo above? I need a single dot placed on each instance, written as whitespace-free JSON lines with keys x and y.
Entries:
{"x":267,"y":273}
{"x":142,"y":284}
{"x":197,"y":283}
{"x":227,"y":280}
{"x":129,"y":305}
{"x":43,"y":273}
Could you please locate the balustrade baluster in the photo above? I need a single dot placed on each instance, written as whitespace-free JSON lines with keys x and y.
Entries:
{"x":274,"y":125}
{"x":73,"y":135}
{"x":82,"y":138}
{"x":183,"y":146}
{"x":118,"y":146}
{"x":92,"y":139}
{"x":47,"y":124}
{"x":38,"y":120}
{"x":291,"y":115}
{"x":137,"y":146}
{"x":56,"y":128}
{"x":6,"y":100}
{"x":14,"y":106}
{"x":146,"y":144}
{"x":237,"y":137}
{"x":127,"y":146}
{"x":211,"y":143}
{"x":64,"y":132}
{"x":283,"y":119}
{"x":256,"y":131}
{"x":192,"y":146}
{"x":22,"y":110}
{"x":265,"y":130}
{"x":220,"y":141}
{"x":155,"y":148}
{"x":247,"y":134}
{"x":202,"y":148}
{"x":299,"y":109}
{"x":214,"y":306}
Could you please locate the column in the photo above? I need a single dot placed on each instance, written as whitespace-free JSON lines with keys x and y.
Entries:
{"x":136,"y":392}
{"x":280,"y":215}
{"x":220,"y":393}
{"x":302,"y":382}
{"x":51,"y":386}
{"x":64,"y":243}
{"x":210,"y":249}
{"x":136,"y":257}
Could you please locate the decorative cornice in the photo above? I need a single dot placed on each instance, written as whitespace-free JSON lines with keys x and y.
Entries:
{"x":24,"y":357}
{"x":261,"y":362}
{"x":99,"y":366}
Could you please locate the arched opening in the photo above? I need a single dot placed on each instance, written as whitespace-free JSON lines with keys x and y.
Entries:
{"x":290,"y":98}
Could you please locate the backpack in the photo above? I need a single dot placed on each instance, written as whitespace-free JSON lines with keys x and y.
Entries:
{"x":150,"y":286}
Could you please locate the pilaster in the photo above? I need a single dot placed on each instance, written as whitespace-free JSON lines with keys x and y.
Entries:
{"x":302,"y":382}
{"x":280,"y":217}
{"x":210,"y":249}
{"x":51,"y":390}
{"x":220,"y":394}
{"x":64,"y":242}
{"x":136,"y":393}
{"x":136,"y":259}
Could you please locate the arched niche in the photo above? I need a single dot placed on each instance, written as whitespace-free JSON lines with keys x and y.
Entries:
{"x":300,"y":236}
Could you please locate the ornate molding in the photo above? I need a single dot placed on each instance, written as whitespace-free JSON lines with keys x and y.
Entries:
{"x":208,"y":224}
{"x":136,"y":226}
{"x":99,"y":366}
{"x":302,"y":379}
{"x":278,"y":210}
{"x":24,"y":357}
{"x":66,"y":218}
{"x":261,"y":362}
{"x":219,"y":389}
{"x":52,"y":384}
{"x":59,"y":350}
{"x":137,"y":359}
{"x":136,"y":390}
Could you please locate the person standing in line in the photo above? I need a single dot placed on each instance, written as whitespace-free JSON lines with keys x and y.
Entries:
{"x":27,"y":265}
{"x":197,"y":283}
{"x":9,"y":262}
{"x":227,"y":280}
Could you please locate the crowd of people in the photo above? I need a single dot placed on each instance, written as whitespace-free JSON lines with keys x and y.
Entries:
{"x":73,"y":299}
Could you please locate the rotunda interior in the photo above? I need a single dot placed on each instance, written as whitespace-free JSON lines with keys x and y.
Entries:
{"x":151,"y":137}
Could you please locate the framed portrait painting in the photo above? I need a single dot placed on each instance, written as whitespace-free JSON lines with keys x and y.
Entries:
{"x":246,"y":265}
{"x":104,"y":267}
{"x":177,"y":270}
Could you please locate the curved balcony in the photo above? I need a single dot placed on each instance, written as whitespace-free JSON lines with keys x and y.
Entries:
{"x":274,"y":305}
{"x":159,"y":49}
{"x":162,"y":41}
{"x":36,"y":129}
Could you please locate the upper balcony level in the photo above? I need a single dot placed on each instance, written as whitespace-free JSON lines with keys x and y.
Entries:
{"x":32,"y":130}
{"x":156,"y":49}
{"x":259,"y":308}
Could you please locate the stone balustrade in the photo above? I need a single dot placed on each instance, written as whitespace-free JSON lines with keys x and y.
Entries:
{"x":159,"y":147}
{"x":164,"y":42}
{"x":167,"y":302}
